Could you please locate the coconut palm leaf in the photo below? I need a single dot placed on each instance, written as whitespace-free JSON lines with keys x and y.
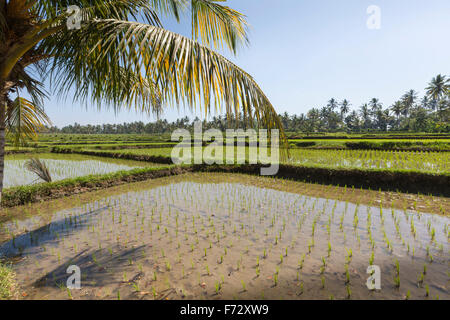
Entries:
{"x":39,"y":168}
{"x":24,"y":120}
{"x":217,"y":25}
{"x":185,"y":72}
{"x":114,"y":62}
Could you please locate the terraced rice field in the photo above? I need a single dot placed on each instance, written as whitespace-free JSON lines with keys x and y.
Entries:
{"x":435,"y":162}
{"x":62,"y":167}
{"x":216,"y":236}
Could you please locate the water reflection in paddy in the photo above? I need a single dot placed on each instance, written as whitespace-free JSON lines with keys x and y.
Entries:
{"x":227,"y":240}
{"x":62,"y":167}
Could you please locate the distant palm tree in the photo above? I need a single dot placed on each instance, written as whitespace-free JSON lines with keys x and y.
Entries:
{"x":332,"y":104}
{"x":409,"y":101}
{"x":426,"y":103}
{"x":365,"y":115}
{"x":438,"y":87}
{"x":375,"y":105}
{"x":345,"y":108}
{"x":112,"y":60}
{"x":397,"y":109}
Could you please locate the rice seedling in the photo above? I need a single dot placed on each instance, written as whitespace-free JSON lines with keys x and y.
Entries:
{"x":136,"y":287}
{"x":218,"y":286}
{"x":349,"y":291}
{"x":397,"y":281}
{"x":347,"y":274}
{"x":244,"y":287}
{"x":300,"y":263}
{"x":69,"y":294}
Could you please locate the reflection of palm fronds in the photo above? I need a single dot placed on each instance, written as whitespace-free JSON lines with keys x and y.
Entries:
{"x":40,"y":168}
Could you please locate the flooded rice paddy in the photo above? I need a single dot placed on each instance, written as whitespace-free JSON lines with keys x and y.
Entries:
{"x":435,"y":162}
{"x":62,"y":167}
{"x":216,"y":236}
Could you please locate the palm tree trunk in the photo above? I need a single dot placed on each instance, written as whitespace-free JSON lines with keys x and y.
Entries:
{"x":2,"y":140}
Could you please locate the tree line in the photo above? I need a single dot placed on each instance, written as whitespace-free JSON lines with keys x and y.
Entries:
{"x":430,"y":113}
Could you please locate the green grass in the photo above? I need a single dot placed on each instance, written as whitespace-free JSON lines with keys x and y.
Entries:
{"x":8,"y":286}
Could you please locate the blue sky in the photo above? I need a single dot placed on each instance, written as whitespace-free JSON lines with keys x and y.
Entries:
{"x":303,"y":52}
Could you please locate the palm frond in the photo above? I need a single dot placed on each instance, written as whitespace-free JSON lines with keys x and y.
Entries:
{"x":34,"y":88}
{"x":39,"y":168}
{"x":184,"y":71}
{"x":89,"y":9}
{"x":218,"y":25}
{"x":24,"y":120}
{"x":170,"y":8}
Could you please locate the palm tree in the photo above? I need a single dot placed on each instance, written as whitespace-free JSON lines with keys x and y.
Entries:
{"x":438,"y":87}
{"x":365,"y":115}
{"x":313,"y":120}
{"x":332,"y":104}
{"x":375,"y":105}
{"x":409,"y":100}
{"x":397,"y":109}
{"x":345,"y":108}
{"x":122,"y":57}
{"x":425,"y":103}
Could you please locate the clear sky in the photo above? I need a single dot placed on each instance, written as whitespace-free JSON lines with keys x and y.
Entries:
{"x":304,"y":52}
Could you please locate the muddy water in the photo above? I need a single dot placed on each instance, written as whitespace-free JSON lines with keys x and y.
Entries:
{"x":218,"y":237}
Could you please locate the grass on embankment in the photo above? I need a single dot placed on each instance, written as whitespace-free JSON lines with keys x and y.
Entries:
{"x":387,"y":180}
{"x":8,"y":285}
{"x":374,"y":179}
{"x":44,"y":191}
{"x":385,"y":145}
{"x":161,"y":159}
